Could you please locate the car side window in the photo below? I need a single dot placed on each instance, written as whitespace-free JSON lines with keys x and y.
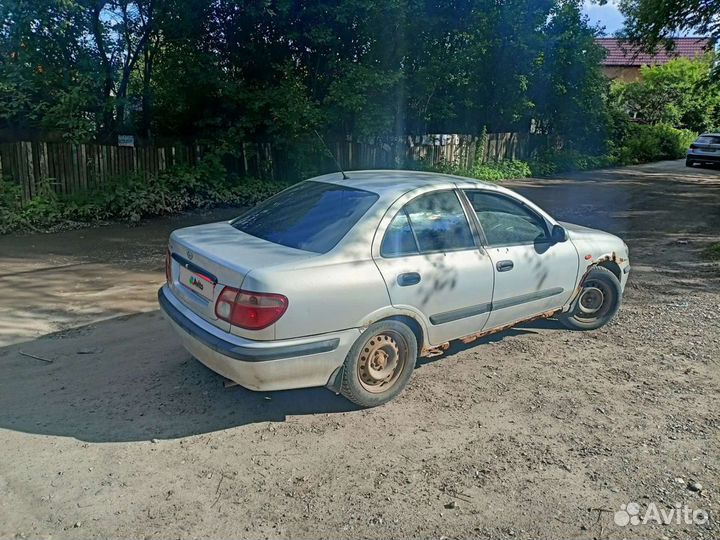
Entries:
{"x":507,"y":222}
{"x":430,"y":223}
{"x":399,"y":239}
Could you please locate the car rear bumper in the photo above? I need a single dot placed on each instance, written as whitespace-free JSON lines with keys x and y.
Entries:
{"x":258,"y":365}
{"x":708,"y":158}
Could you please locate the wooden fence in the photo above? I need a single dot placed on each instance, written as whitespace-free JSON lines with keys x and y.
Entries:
{"x":67,"y":168}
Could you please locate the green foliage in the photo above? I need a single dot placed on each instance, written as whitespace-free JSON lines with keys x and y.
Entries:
{"x":653,"y":23}
{"x":634,"y":144}
{"x":552,"y":161}
{"x":645,"y":143}
{"x":494,"y":171}
{"x":133,"y":198}
{"x":680,"y":93}
{"x":712,"y":252}
{"x":10,"y":206}
{"x":569,"y":89}
{"x":274,"y":71}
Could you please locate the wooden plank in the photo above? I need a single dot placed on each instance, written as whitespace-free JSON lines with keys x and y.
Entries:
{"x":72,"y":150}
{"x":119,"y":161}
{"x":93,"y":165}
{"x":64,"y":168}
{"x":57,"y":166}
{"x":82,"y":159}
{"x":113,"y":165}
{"x":98,"y":164}
{"x":103,"y":151}
{"x":34,"y":167}
{"x":51,"y":168}
{"x":43,"y":165}
{"x":22,"y":171}
{"x":32,"y":180}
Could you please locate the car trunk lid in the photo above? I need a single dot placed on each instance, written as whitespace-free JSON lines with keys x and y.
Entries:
{"x":206,"y":258}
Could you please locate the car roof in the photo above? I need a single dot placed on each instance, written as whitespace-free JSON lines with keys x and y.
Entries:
{"x":710,"y":135}
{"x":395,"y":182}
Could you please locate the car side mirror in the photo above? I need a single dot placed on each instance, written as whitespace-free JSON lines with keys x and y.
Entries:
{"x":559,"y":234}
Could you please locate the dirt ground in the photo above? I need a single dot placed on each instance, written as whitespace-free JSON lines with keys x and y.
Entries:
{"x":538,"y":432}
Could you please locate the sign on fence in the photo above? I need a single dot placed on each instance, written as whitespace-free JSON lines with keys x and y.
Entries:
{"x":126,"y":140}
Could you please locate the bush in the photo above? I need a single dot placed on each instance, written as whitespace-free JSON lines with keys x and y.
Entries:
{"x":712,"y":252}
{"x":494,"y":171}
{"x":133,"y":198}
{"x":553,"y":161}
{"x":646,"y":143}
{"x":634,"y":144}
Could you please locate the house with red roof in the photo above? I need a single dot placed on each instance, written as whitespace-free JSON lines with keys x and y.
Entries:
{"x":623,"y":61}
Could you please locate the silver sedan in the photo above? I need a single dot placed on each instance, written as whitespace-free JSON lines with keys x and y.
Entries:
{"x":344,"y":282}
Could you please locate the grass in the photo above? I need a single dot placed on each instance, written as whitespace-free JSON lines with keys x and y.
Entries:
{"x":712,"y":253}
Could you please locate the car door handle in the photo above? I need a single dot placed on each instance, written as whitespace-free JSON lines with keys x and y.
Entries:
{"x":410,"y":278}
{"x":504,"y":266}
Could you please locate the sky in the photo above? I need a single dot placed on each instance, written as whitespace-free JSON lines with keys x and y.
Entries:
{"x":608,"y":15}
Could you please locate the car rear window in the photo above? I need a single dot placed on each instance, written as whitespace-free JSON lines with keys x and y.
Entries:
{"x":708,"y":139}
{"x":312,"y":216}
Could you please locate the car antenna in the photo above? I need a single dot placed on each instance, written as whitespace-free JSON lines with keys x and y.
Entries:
{"x":344,"y":176}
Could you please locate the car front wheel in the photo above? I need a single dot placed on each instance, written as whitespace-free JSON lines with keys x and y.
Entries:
{"x":379,"y":364}
{"x":689,"y":163}
{"x":598,"y":302}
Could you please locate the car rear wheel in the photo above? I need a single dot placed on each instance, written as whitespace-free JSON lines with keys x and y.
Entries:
{"x":598,"y":302}
{"x":379,"y":364}
{"x":689,"y":162}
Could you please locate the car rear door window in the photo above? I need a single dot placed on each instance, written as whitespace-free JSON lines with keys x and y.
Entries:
{"x":507,"y":222}
{"x":429,"y":223}
{"x":399,"y":239}
{"x":312,"y":216}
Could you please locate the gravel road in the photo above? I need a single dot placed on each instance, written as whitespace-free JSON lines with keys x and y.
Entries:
{"x":111,"y":430}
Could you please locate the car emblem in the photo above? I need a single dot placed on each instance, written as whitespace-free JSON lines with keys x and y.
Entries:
{"x":189,"y":254}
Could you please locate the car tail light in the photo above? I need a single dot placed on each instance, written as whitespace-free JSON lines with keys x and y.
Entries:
{"x":250,"y":310}
{"x":168,"y":266}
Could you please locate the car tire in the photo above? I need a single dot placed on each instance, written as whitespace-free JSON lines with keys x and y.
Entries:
{"x":598,"y":302}
{"x":379,"y":364}
{"x":689,"y":163}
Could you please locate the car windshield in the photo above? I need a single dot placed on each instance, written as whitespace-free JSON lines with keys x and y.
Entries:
{"x":708,"y":139}
{"x":312,"y":216}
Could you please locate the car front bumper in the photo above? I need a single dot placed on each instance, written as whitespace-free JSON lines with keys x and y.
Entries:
{"x":258,"y":365}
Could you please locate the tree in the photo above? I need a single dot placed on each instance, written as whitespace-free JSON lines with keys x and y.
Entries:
{"x":652,"y":23}
{"x":570,"y":90}
{"x":274,"y":71}
{"x":46,"y":71}
{"x":679,"y":93}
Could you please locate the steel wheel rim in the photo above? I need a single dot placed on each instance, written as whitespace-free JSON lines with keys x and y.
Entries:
{"x":595,"y":300}
{"x":591,"y":300}
{"x":382,"y":360}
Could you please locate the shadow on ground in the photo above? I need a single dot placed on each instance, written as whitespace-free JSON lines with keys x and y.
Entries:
{"x":127,"y":379}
